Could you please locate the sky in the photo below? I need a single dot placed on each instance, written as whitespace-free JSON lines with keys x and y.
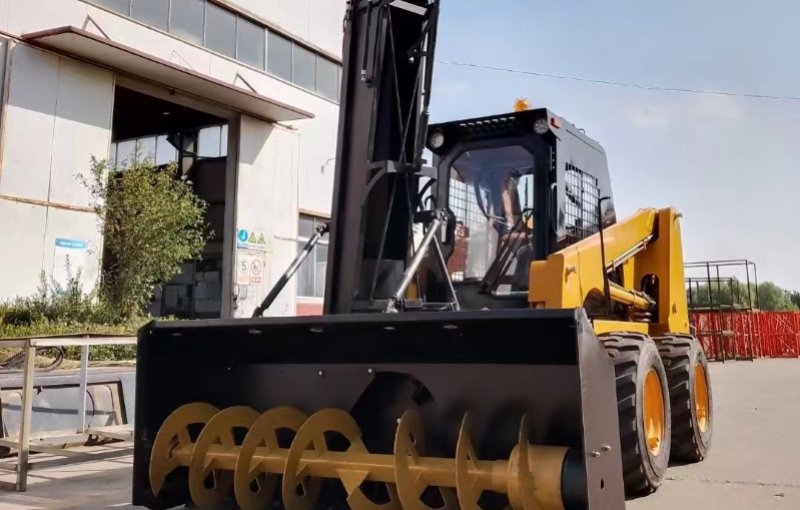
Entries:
{"x":731,"y":165}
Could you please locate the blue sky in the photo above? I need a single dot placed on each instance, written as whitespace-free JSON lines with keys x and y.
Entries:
{"x":731,"y":165}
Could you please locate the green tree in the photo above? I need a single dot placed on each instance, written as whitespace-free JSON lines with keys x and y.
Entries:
{"x":152,"y":222}
{"x":725,"y":292}
{"x":794,"y":297}
{"x":773,"y":298}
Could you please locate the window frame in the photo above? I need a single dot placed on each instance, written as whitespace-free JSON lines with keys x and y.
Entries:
{"x":137,"y":141}
{"x":312,"y":257}
{"x":298,"y":49}
{"x":99,"y":3}
{"x":201,"y":41}
{"x":234,"y":15}
{"x":238,"y":18}
{"x":164,"y":27}
{"x":289,"y":79}
{"x":222,"y":133}
{"x":242,"y":21}
{"x":321,"y":61}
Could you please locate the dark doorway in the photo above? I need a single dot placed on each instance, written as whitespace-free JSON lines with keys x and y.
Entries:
{"x":169,"y":133}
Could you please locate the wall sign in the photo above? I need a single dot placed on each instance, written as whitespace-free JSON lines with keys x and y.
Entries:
{"x":252,"y":240}
{"x":70,"y":258}
{"x":256,"y":271}
{"x":250,"y":267}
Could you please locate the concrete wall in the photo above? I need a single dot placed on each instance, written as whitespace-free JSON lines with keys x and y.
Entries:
{"x":59,"y":112}
{"x":268,"y":165}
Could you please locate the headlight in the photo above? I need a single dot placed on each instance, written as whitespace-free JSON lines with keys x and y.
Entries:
{"x":541,"y":126}
{"x":436,"y":139}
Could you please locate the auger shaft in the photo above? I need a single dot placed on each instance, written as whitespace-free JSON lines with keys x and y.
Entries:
{"x":438,"y":472}
{"x":531,"y":476}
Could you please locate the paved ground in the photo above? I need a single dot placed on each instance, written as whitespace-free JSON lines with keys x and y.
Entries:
{"x":754,"y":465}
{"x":755,"y":456}
{"x":89,"y":486}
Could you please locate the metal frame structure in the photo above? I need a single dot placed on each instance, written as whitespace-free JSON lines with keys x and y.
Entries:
{"x":724,"y":326}
{"x":52,"y":442}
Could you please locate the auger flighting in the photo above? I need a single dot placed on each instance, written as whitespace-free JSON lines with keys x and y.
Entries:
{"x":250,"y":469}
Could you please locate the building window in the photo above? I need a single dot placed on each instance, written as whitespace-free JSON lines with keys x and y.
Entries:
{"x":124,"y":152}
{"x":120,"y":6}
{"x":223,"y":31}
{"x":152,"y":12}
{"x":187,"y":18}
{"x":279,"y":56}
{"x":311,"y":275}
{"x":166,"y":153}
{"x":327,"y":79}
{"x":220,"y":30}
{"x":212,"y":142}
{"x":157,"y":149}
{"x":304,"y":68}
{"x":251,"y":43}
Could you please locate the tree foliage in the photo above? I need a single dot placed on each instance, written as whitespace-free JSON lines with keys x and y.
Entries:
{"x":725,"y":292}
{"x":152,"y":222}
{"x":773,"y":298}
{"x":767,"y":296}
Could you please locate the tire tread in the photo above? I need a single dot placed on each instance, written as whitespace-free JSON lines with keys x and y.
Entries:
{"x":676,"y":354}
{"x":625,"y":350}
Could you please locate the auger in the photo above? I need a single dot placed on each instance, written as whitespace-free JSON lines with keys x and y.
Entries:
{"x":220,"y":465}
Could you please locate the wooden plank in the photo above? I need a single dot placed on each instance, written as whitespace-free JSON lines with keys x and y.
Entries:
{"x":121,"y":435}
{"x":84,"y":457}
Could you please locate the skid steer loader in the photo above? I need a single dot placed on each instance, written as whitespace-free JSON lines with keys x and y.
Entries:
{"x":493,"y":336}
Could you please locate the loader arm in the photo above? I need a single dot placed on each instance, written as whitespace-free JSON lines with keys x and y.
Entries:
{"x":644,"y":263}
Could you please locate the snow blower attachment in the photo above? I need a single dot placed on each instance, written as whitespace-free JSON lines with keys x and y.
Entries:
{"x":492,"y":332}
{"x":315,"y":413}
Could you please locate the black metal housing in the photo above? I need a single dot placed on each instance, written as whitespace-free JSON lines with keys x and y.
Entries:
{"x":388,"y":64}
{"x":545,"y":364}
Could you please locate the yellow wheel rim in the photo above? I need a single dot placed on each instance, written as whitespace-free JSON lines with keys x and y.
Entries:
{"x":701,"y":397}
{"x":653,"y":412}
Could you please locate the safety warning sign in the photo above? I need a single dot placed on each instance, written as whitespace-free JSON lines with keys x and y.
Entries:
{"x":249,"y":267}
{"x":256,"y":271}
{"x":252,"y":240}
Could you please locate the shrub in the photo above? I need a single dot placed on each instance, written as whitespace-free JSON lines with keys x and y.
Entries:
{"x":54,"y":303}
{"x":152,"y":222}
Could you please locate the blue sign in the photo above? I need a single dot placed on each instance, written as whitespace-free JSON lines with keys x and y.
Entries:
{"x":242,"y":235}
{"x":71,"y":244}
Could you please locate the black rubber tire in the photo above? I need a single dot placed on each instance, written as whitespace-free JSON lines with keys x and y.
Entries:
{"x":680,"y":354}
{"x":633,"y":356}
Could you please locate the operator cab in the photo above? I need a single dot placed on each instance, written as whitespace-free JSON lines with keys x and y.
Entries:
{"x":519,"y":187}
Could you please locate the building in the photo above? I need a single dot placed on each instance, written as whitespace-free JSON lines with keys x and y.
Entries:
{"x":242,"y":93}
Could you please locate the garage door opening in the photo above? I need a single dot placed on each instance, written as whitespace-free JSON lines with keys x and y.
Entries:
{"x":167,"y":133}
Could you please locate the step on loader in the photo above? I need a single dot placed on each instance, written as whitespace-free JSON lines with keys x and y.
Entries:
{"x":494,"y":337}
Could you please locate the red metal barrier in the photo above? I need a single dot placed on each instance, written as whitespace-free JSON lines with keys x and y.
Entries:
{"x":748,"y":334}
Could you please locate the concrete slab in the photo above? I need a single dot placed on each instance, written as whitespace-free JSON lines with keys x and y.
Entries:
{"x":87,"y":486}
{"x":754,"y":456}
{"x":753,"y":465}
